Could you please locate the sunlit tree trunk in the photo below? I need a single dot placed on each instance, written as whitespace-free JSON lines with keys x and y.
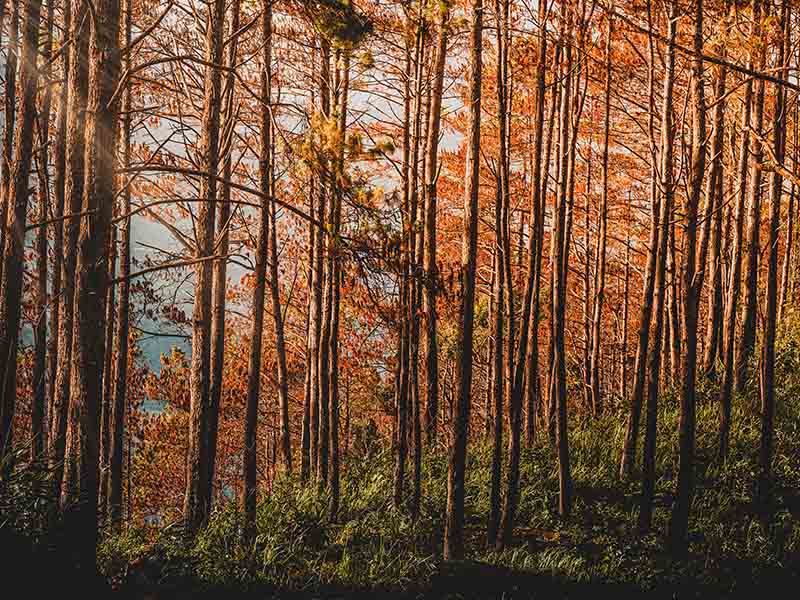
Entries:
{"x":40,"y":388}
{"x":220,"y":267}
{"x":249,"y":491}
{"x":91,"y":279}
{"x":197,"y":501}
{"x":431,"y":270}
{"x":17,"y":200}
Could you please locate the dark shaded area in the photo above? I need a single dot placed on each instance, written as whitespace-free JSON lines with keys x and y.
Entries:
{"x":43,"y":569}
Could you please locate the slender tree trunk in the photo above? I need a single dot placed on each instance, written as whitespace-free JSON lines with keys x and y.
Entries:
{"x":10,"y":115}
{"x":747,"y":342}
{"x":734,"y":281}
{"x":59,"y":176}
{"x":454,"y":516}
{"x":120,"y":388}
{"x":628,"y":458}
{"x":692,"y":286}
{"x":764,"y":488}
{"x":257,"y":316}
{"x":17,"y":197}
{"x":197,"y":501}
{"x":40,"y":389}
{"x":431,"y":271}
{"x":323,"y":448}
{"x":220,"y":267}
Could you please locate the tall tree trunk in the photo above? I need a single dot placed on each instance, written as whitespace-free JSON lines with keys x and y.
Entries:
{"x":764,"y":488}
{"x":323,"y":448}
{"x":561,"y":237}
{"x":628,"y":458}
{"x":501,"y":278}
{"x":257,"y":311}
{"x":344,"y":88}
{"x":734,"y":280}
{"x":92,"y":269}
{"x":119,"y":404}
{"x":17,"y":197}
{"x":220,"y":267}
{"x":747,"y":342}
{"x":10,"y":115}
{"x":40,"y":388}
{"x":454,"y":516}
{"x":692,"y":287}
{"x":59,"y":176}
{"x":431,"y":271}
{"x":197,"y":502}
{"x":63,"y":421}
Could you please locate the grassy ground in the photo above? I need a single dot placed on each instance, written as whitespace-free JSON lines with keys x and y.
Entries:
{"x":374,"y":548}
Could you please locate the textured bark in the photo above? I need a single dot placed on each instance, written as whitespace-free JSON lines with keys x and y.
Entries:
{"x":40,"y":388}
{"x":220,"y":275}
{"x":92,"y":271}
{"x":628,"y":459}
{"x":333,"y":478}
{"x":747,"y":342}
{"x":734,"y":280}
{"x":120,"y":386}
{"x":692,"y":286}
{"x":108,"y":372}
{"x":17,"y":199}
{"x":323,"y":448}
{"x":764,"y":487}
{"x":257,"y":315}
{"x":197,"y":502}
{"x":561,"y":237}
{"x":431,"y":271}
{"x":10,"y":115}
{"x":713,"y":223}
{"x":454,"y":515}
{"x":72,"y":189}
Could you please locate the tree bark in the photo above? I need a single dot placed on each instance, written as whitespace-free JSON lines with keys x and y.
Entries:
{"x":197,"y":501}
{"x":92,"y":270}
{"x":220,"y":267}
{"x":17,"y":197}
{"x":454,"y":516}
{"x":249,"y":490}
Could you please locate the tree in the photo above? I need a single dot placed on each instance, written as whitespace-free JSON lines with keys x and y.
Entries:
{"x":454,"y":517}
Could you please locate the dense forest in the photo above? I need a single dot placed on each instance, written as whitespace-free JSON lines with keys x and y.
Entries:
{"x":445,"y":292}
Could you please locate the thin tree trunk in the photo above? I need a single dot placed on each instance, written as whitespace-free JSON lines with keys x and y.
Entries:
{"x":197,"y":501}
{"x":431,"y":271}
{"x":628,"y":458}
{"x":257,"y":315}
{"x":17,"y":197}
{"x":734,"y":282}
{"x":220,"y":267}
{"x":40,"y":388}
{"x":764,"y":488}
{"x":692,"y":287}
{"x":747,"y":342}
{"x":119,"y":404}
{"x":10,"y":115}
{"x":600,"y":272}
{"x":454,"y":516}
